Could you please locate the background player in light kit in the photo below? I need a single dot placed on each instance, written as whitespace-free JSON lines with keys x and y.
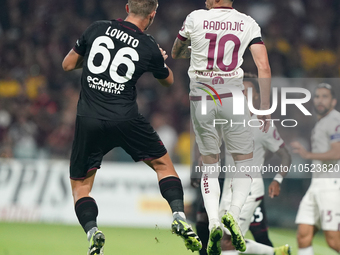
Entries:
{"x":216,"y":53}
{"x":113,"y":55}
{"x":320,"y":207}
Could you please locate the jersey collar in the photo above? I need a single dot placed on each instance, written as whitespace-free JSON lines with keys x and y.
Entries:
{"x":129,"y":25}
{"x":222,"y":7}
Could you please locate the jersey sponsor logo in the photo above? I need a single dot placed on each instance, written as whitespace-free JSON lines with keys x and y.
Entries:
{"x":213,"y":74}
{"x":105,"y":86}
{"x":335,"y":137}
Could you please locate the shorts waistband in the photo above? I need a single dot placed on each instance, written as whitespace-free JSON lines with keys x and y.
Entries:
{"x":199,"y":98}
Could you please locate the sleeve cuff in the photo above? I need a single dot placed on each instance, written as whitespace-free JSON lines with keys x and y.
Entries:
{"x":78,"y":51}
{"x":182,"y":38}
{"x":257,"y":40}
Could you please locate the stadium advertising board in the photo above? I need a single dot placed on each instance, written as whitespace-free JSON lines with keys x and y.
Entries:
{"x":39,"y":191}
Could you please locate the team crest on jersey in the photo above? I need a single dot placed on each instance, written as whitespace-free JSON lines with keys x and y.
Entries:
{"x":217,"y":80}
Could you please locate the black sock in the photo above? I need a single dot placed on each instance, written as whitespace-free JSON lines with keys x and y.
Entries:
{"x":203,"y":233}
{"x":262,"y":237}
{"x":172,"y":190}
{"x":87,"y":212}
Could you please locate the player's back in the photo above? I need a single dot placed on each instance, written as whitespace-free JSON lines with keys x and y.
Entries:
{"x":219,"y":38}
{"x":116,"y":53}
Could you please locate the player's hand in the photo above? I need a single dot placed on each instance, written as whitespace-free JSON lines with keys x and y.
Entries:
{"x":266,"y":121}
{"x":299,"y":149}
{"x":195,"y":182}
{"x":163,"y":52}
{"x":274,"y":189}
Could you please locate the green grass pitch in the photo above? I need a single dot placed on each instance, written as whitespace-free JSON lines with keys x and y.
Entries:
{"x":49,"y":239}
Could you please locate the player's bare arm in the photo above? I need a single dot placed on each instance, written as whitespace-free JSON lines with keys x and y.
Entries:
{"x":72,"y":61}
{"x":180,"y":49}
{"x":332,"y":154}
{"x":260,"y":56}
{"x":286,"y":160}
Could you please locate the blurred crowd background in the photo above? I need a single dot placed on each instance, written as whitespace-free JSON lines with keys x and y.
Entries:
{"x":38,"y":99}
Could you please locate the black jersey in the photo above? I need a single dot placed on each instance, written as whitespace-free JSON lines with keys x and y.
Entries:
{"x":116,"y":53}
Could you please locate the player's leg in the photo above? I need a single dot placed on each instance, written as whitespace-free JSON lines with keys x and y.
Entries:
{"x":253,"y":201}
{"x":226,"y":244}
{"x":138,"y":138}
{"x":87,"y":212}
{"x":171,"y":189}
{"x":246,"y":214}
{"x":259,"y":227}
{"x":169,"y":183}
{"x":202,"y":222}
{"x":305,"y":236}
{"x":210,"y":188}
{"x":253,"y":248}
{"x":241,"y":184}
{"x":202,"y":225}
{"x":85,"y":206}
{"x":209,"y":142}
{"x":333,"y":239}
{"x":85,"y":160}
{"x":307,"y":218}
{"x":239,"y":142}
{"x":329,"y":208}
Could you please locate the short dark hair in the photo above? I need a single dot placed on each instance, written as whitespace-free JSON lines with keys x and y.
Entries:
{"x":142,"y":7}
{"x":253,"y":79}
{"x":326,"y":86}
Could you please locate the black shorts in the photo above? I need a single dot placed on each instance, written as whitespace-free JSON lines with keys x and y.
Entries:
{"x":94,"y":138}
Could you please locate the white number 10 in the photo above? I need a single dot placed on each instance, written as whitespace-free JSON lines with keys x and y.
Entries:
{"x":119,"y":58}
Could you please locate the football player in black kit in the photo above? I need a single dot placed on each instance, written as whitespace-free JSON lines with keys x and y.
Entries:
{"x":113,"y":55}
